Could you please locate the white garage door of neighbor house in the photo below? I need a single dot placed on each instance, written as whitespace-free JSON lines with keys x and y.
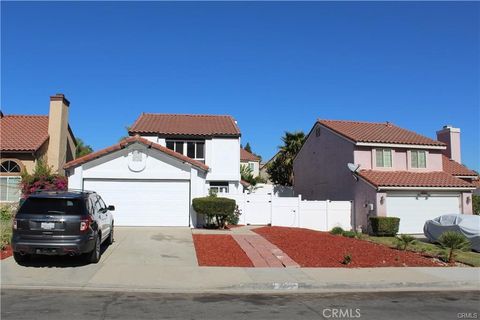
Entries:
{"x":145,"y":203}
{"x":413,"y":211}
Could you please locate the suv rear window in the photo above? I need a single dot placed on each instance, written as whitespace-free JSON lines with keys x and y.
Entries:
{"x":51,"y":206}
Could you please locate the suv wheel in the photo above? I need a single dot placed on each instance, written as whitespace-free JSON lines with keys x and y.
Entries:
{"x":94,"y":255}
{"x":110,"y":236}
{"x":19,"y":258}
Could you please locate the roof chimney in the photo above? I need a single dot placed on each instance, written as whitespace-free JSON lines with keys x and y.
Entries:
{"x":57,"y":131}
{"x":451,"y":137}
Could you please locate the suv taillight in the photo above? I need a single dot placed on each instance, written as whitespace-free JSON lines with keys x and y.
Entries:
{"x":14,"y":224}
{"x":85,"y":223}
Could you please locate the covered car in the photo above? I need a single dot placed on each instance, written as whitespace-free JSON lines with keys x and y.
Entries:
{"x":468,"y":225}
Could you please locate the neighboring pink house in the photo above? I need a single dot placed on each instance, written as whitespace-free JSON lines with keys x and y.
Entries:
{"x":401,"y":173}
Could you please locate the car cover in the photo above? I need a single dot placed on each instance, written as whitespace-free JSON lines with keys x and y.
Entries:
{"x":468,"y":225}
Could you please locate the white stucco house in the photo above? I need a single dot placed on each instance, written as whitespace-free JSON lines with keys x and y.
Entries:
{"x":251,"y":161}
{"x":170,"y":159}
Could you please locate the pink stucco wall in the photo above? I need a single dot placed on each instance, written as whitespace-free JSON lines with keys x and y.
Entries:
{"x":401,"y":160}
{"x":320,"y":168}
{"x":467,"y":205}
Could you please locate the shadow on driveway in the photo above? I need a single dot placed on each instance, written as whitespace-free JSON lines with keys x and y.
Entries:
{"x":66,"y":261}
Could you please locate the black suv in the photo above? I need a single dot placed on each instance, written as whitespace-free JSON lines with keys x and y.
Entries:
{"x":61,"y":223}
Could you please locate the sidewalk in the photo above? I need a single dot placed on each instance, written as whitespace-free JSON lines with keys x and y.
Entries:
{"x":164,"y":260}
{"x":251,"y":280}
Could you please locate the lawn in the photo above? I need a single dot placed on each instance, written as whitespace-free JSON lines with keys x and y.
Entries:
{"x":471,"y":258}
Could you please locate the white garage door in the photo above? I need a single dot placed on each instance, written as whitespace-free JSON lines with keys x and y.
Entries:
{"x":145,"y":203}
{"x":413,"y":211}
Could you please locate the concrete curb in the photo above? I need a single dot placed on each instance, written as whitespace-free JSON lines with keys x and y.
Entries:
{"x":272,"y":288}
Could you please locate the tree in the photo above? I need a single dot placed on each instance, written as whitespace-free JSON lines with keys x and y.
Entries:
{"x":404,"y":240}
{"x":453,"y":241}
{"x":248,"y":148}
{"x":82,"y":149}
{"x":246,"y":174}
{"x":281,"y":168}
{"x":476,"y":204}
{"x":42,"y":178}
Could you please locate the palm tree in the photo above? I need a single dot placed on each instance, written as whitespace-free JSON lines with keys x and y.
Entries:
{"x":281,"y":168}
{"x":82,"y":149}
{"x":453,"y":241}
{"x":404,"y":240}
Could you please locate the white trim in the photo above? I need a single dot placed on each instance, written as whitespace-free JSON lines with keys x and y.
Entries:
{"x":394,"y":145}
{"x":466,"y":177}
{"x":427,"y":188}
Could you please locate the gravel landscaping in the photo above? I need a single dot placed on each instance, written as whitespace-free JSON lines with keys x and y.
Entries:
{"x":320,"y":249}
{"x":219,"y":251}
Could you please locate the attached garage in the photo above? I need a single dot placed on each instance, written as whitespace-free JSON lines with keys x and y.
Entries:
{"x":145,"y":202}
{"x":414,"y":209}
{"x":148,"y":184}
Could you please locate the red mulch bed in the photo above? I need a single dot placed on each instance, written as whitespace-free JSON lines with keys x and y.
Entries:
{"x":219,"y":251}
{"x":5,"y":253}
{"x":311,"y":248}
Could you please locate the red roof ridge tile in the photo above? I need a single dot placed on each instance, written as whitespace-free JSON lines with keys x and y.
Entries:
{"x":127,"y":141}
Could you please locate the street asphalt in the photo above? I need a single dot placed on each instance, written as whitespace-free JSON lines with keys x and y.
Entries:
{"x":72,"y":305}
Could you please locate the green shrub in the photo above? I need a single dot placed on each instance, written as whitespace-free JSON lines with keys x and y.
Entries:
{"x":476,"y":204}
{"x":216,"y":210}
{"x":404,"y":240}
{"x":384,"y":226}
{"x":337,"y":230}
{"x":7,"y":211}
{"x":349,"y":234}
{"x":347,"y":258}
{"x":234,"y":217}
{"x":453,"y":241}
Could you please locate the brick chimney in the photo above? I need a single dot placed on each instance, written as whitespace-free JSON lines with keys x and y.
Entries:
{"x":57,"y":131}
{"x":451,"y":137}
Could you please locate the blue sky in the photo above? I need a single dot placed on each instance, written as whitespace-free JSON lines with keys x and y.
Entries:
{"x":273,"y":66}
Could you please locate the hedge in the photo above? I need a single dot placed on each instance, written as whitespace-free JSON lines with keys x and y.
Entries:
{"x":384,"y":226}
{"x":217,"y":210}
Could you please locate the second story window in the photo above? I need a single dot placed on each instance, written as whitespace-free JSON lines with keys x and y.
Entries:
{"x":419,"y":158}
{"x":191,"y":149}
{"x":384,"y":158}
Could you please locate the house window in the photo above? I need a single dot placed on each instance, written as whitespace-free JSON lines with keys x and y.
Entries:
{"x":419,"y":158}
{"x":9,"y":167}
{"x":384,"y":158}
{"x":10,"y":188}
{"x":219,"y":187}
{"x":251,"y":166}
{"x":192,"y":149}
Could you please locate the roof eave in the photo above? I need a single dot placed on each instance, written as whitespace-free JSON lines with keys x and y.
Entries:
{"x":399,"y":145}
{"x":390,"y":188}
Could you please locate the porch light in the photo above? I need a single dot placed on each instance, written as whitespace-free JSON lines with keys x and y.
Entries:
{"x":382,"y":200}
{"x":468,"y":200}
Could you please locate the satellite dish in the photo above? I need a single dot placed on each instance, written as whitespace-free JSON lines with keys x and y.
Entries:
{"x":353,"y":168}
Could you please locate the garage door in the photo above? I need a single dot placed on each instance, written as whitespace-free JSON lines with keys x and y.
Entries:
{"x":413,"y":211}
{"x":143,"y":202}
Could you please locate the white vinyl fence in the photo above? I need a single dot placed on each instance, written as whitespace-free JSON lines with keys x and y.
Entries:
{"x":263,"y":209}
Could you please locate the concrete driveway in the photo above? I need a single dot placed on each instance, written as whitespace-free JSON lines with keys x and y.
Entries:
{"x":138,"y":254}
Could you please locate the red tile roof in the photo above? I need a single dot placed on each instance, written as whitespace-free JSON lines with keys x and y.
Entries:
{"x":413,"y":179}
{"x":456,"y":168}
{"x":378,"y":133}
{"x":124,"y":143}
{"x":23,"y":133}
{"x":247,"y":156}
{"x":185,"y":124}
